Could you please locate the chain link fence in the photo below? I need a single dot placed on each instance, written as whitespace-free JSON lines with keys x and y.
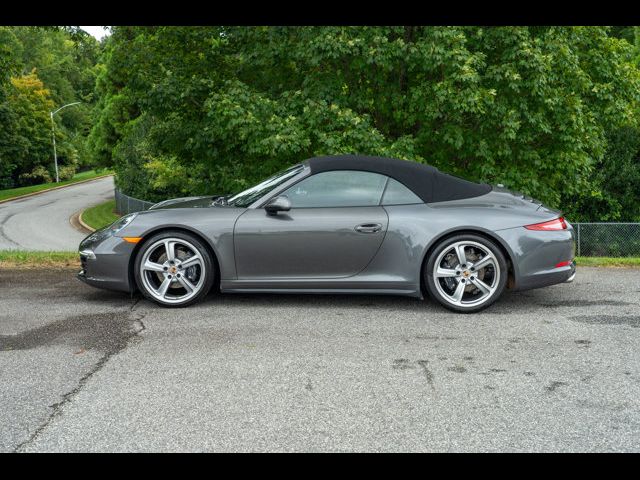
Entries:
{"x":594,"y":239}
{"x":126,"y":204}
{"x":607,"y":239}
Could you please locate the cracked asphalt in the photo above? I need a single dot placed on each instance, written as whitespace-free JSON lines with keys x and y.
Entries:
{"x":555,"y":369}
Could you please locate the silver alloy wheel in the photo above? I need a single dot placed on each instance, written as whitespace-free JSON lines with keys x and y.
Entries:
{"x":172,"y":270}
{"x":466,"y":274}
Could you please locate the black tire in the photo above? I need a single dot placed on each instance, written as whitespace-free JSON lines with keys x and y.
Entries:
{"x":436,"y":294}
{"x":207,"y":266}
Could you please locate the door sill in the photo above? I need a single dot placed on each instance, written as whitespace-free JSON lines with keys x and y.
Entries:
{"x":331,"y":291}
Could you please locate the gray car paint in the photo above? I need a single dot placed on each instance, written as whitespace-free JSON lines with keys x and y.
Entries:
{"x":306,"y":242}
{"x":313,"y":250}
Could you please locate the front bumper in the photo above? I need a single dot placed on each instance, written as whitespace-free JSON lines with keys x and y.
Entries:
{"x":105,"y":262}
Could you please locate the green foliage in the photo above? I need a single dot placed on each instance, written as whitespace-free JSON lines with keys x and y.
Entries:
{"x":31,"y":134}
{"x":66,"y":172}
{"x":619,"y":172}
{"x":212,"y":109}
{"x":42,"y":68}
{"x":616,"y":181}
{"x":8,"y":118}
{"x":549,"y":111}
{"x":37,"y":176}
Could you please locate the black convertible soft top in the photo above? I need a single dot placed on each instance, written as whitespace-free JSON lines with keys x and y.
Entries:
{"x":427,"y":182}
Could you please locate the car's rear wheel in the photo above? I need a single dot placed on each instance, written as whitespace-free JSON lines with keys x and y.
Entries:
{"x":466,"y":273}
{"x":174,"y":269}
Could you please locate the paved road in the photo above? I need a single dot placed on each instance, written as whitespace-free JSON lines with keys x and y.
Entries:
{"x":554,"y":369}
{"x":41,"y":222}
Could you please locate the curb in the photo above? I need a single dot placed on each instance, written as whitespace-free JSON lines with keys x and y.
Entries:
{"x":33,"y":194}
{"x":78,"y":224}
{"x":84,"y":225}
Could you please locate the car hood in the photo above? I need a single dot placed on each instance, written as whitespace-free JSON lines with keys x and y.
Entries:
{"x":186,"y":202}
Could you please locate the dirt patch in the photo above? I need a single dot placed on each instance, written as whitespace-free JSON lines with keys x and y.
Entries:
{"x":35,"y":263}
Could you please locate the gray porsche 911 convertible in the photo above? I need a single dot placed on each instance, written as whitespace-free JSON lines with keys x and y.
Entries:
{"x":342,"y":224}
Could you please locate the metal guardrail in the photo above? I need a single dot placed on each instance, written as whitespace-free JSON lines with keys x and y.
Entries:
{"x":593,"y":239}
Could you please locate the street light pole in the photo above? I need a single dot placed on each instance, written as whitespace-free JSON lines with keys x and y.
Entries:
{"x":55,"y":155}
{"x":53,"y":136}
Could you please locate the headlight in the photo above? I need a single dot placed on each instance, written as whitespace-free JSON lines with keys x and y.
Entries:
{"x":106,"y":232}
{"x":121,"y":223}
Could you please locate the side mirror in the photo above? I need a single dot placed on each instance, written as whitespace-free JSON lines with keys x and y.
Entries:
{"x":278,"y":204}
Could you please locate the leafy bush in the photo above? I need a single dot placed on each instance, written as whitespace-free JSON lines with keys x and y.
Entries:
{"x":6,"y":182}
{"x":615,"y":192}
{"x":66,"y":172}
{"x":37,"y":176}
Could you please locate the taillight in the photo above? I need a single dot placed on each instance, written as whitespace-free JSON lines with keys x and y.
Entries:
{"x":555,"y":224}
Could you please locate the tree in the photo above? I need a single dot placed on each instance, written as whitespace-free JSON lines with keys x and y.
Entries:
{"x":42,"y":68}
{"x":8,"y":119}
{"x":616,"y":181}
{"x":31,"y":103}
{"x":187,"y":110}
{"x":65,"y":59}
{"x":526,"y":107}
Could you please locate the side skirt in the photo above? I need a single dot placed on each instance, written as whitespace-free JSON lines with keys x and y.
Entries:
{"x":332,"y":291}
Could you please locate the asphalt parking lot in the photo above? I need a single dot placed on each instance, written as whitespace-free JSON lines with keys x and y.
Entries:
{"x":555,"y":369}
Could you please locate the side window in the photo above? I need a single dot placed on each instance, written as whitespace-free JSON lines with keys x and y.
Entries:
{"x":339,"y":188}
{"x":397,"y":194}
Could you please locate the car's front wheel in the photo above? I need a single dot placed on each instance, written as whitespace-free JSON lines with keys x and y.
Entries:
{"x":466,"y":273}
{"x":174,"y":269}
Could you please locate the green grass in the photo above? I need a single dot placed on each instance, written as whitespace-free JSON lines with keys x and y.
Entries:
{"x":16,"y":192}
{"x":100,"y":215}
{"x":24,"y":259}
{"x":608,"y":261}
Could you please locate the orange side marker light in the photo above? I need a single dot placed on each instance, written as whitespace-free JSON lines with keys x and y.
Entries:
{"x":132,"y":239}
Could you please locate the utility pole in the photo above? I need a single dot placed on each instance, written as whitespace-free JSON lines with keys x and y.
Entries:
{"x":53,"y":136}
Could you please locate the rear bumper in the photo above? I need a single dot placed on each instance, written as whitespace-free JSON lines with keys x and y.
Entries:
{"x":548,"y":277}
{"x":535,"y":255}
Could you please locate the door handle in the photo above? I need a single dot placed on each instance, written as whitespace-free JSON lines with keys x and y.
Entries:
{"x":368,"y":228}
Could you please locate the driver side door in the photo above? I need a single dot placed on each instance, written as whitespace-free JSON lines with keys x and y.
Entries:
{"x":333,"y":230}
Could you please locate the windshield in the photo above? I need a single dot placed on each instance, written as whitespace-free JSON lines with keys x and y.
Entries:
{"x":247,"y":197}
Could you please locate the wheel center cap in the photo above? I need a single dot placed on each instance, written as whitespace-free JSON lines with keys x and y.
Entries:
{"x":466,"y":273}
{"x":173,"y":269}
